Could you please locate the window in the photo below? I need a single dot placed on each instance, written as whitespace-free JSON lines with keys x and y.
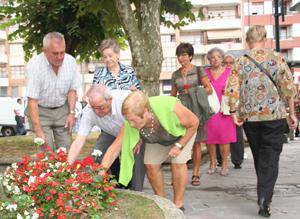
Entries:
{"x":168,"y":41}
{"x":166,"y":86}
{"x":169,"y":64}
{"x":17,"y":72}
{"x":14,"y":91}
{"x":3,"y":91}
{"x":3,"y":72}
{"x":257,"y":8}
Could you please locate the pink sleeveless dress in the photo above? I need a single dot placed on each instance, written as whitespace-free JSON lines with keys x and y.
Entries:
{"x":220,"y":129}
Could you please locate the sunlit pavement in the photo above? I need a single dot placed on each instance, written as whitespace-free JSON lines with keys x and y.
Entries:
{"x":234,"y":196}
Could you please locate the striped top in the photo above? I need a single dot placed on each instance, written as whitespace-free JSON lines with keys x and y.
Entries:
{"x":123,"y":81}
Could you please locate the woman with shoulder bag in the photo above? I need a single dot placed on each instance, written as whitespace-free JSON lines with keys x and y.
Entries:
{"x":183,"y":79}
{"x":220,"y":128}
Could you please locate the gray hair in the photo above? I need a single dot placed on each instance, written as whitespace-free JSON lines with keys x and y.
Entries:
{"x":52,"y":35}
{"x":98,"y":90}
{"x":109,"y":44}
{"x":215,"y":49}
{"x":256,"y":33}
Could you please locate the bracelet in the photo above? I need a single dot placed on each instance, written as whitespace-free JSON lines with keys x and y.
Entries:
{"x":178,"y":145}
{"x":232,"y":111}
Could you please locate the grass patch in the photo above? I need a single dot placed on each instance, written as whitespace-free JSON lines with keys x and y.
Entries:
{"x":19,"y":146}
{"x":133,"y":206}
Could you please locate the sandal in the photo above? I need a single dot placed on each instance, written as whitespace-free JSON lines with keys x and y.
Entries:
{"x":195,"y":180}
{"x":211,"y":170}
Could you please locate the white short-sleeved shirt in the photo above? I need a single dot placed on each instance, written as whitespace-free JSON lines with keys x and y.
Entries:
{"x":48,"y":88}
{"x":19,"y":108}
{"x":110,"y":124}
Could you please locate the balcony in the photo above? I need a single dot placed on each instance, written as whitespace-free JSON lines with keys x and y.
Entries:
{"x":3,"y":36}
{"x":4,"y":82}
{"x":3,"y":59}
{"x":214,"y":24}
{"x":216,"y":2}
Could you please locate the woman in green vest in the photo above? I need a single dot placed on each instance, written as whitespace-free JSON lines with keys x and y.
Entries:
{"x":168,"y":130}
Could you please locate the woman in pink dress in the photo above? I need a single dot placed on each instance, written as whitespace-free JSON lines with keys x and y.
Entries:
{"x":220,"y":129}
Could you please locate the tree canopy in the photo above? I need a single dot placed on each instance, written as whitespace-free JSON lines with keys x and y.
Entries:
{"x":85,"y":23}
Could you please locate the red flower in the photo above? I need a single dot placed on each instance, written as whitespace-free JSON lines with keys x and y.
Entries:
{"x":88,"y":161}
{"x":52,"y":191}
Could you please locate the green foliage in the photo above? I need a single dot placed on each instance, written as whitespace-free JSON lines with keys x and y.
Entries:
{"x":85,"y":23}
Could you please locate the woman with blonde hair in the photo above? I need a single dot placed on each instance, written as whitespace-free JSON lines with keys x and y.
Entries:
{"x":261,"y":81}
{"x":168,"y":129}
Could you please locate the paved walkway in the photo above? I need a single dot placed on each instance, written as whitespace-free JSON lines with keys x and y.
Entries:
{"x":234,"y":196}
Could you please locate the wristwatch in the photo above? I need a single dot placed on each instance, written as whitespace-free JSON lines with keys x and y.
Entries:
{"x":179,"y":145}
{"x":72,"y":112}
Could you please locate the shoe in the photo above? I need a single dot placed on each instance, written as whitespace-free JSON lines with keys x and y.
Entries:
{"x":211,"y":170}
{"x":264,"y":208}
{"x":195,"y":180}
{"x":219,"y":164}
{"x":182,"y":208}
{"x":224,"y":172}
{"x":237,"y":166}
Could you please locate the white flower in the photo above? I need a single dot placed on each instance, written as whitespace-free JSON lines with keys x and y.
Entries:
{"x":35,"y":216}
{"x":96,"y":153}
{"x":31,"y":180}
{"x":14,"y":165}
{"x":19,"y":216}
{"x":42,"y":175}
{"x":61,"y":149}
{"x":17,"y":190}
{"x":11,"y":207}
{"x":38,"y":141}
{"x":26,"y":213}
{"x":9,"y":188}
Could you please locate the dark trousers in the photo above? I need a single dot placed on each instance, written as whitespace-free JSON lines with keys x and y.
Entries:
{"x":266,"y":139}
{"x":137,"y":181}
{"x":20,"y":125}
{"x":236,"y":149}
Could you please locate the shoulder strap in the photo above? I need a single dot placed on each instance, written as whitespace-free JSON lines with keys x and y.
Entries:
{"x":199,"y":69}
{"x":262,"y":69}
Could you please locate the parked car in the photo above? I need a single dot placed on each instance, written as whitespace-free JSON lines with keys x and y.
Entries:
{"x":8,"y":125}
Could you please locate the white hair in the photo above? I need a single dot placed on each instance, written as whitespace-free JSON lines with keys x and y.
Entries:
{"x":52,"y":35}
{"x":98,"y":90}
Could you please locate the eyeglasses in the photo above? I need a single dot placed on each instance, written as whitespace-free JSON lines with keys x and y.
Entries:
{"x":100,"y":107}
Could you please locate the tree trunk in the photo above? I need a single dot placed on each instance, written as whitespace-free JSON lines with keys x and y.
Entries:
{"x":143,"y":34}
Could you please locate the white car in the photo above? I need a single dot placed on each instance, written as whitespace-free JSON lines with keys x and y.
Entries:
{"x":8,"y":125}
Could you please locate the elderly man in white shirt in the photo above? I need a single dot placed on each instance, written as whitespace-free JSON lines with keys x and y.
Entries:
{"x":104,"y":111}
{"x":52,"y":81}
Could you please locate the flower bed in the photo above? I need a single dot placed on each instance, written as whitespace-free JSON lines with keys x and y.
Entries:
{"x":50,"y":187}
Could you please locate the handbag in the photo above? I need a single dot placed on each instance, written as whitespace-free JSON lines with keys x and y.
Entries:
{"x":225,"y":109}
{"x":213,"y":100}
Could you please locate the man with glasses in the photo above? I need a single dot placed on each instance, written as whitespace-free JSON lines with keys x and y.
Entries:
{"x":51,"y":84}
{"x":104,"y":111}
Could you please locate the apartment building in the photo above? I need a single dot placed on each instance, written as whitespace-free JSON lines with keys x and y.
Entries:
{"x":261,"y":12}
{"x":12,"y":64}
{"x":220,"y":26}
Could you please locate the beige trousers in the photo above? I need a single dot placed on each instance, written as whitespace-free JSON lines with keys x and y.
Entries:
{"x":53,"y":122}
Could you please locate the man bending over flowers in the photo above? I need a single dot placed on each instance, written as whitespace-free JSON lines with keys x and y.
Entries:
{"x":104,"y":111}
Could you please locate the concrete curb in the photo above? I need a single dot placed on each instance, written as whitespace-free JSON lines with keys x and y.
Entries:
{"x":170,"y":211}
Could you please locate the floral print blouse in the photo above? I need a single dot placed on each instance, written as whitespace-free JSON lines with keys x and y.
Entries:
{"x":124,"y":80}
{"x":254,"y":93}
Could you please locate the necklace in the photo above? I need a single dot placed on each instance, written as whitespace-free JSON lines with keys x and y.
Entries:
{"x":151,"y":128}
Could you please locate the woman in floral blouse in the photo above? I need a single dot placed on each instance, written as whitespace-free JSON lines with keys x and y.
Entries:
{"x":261,"y":109}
